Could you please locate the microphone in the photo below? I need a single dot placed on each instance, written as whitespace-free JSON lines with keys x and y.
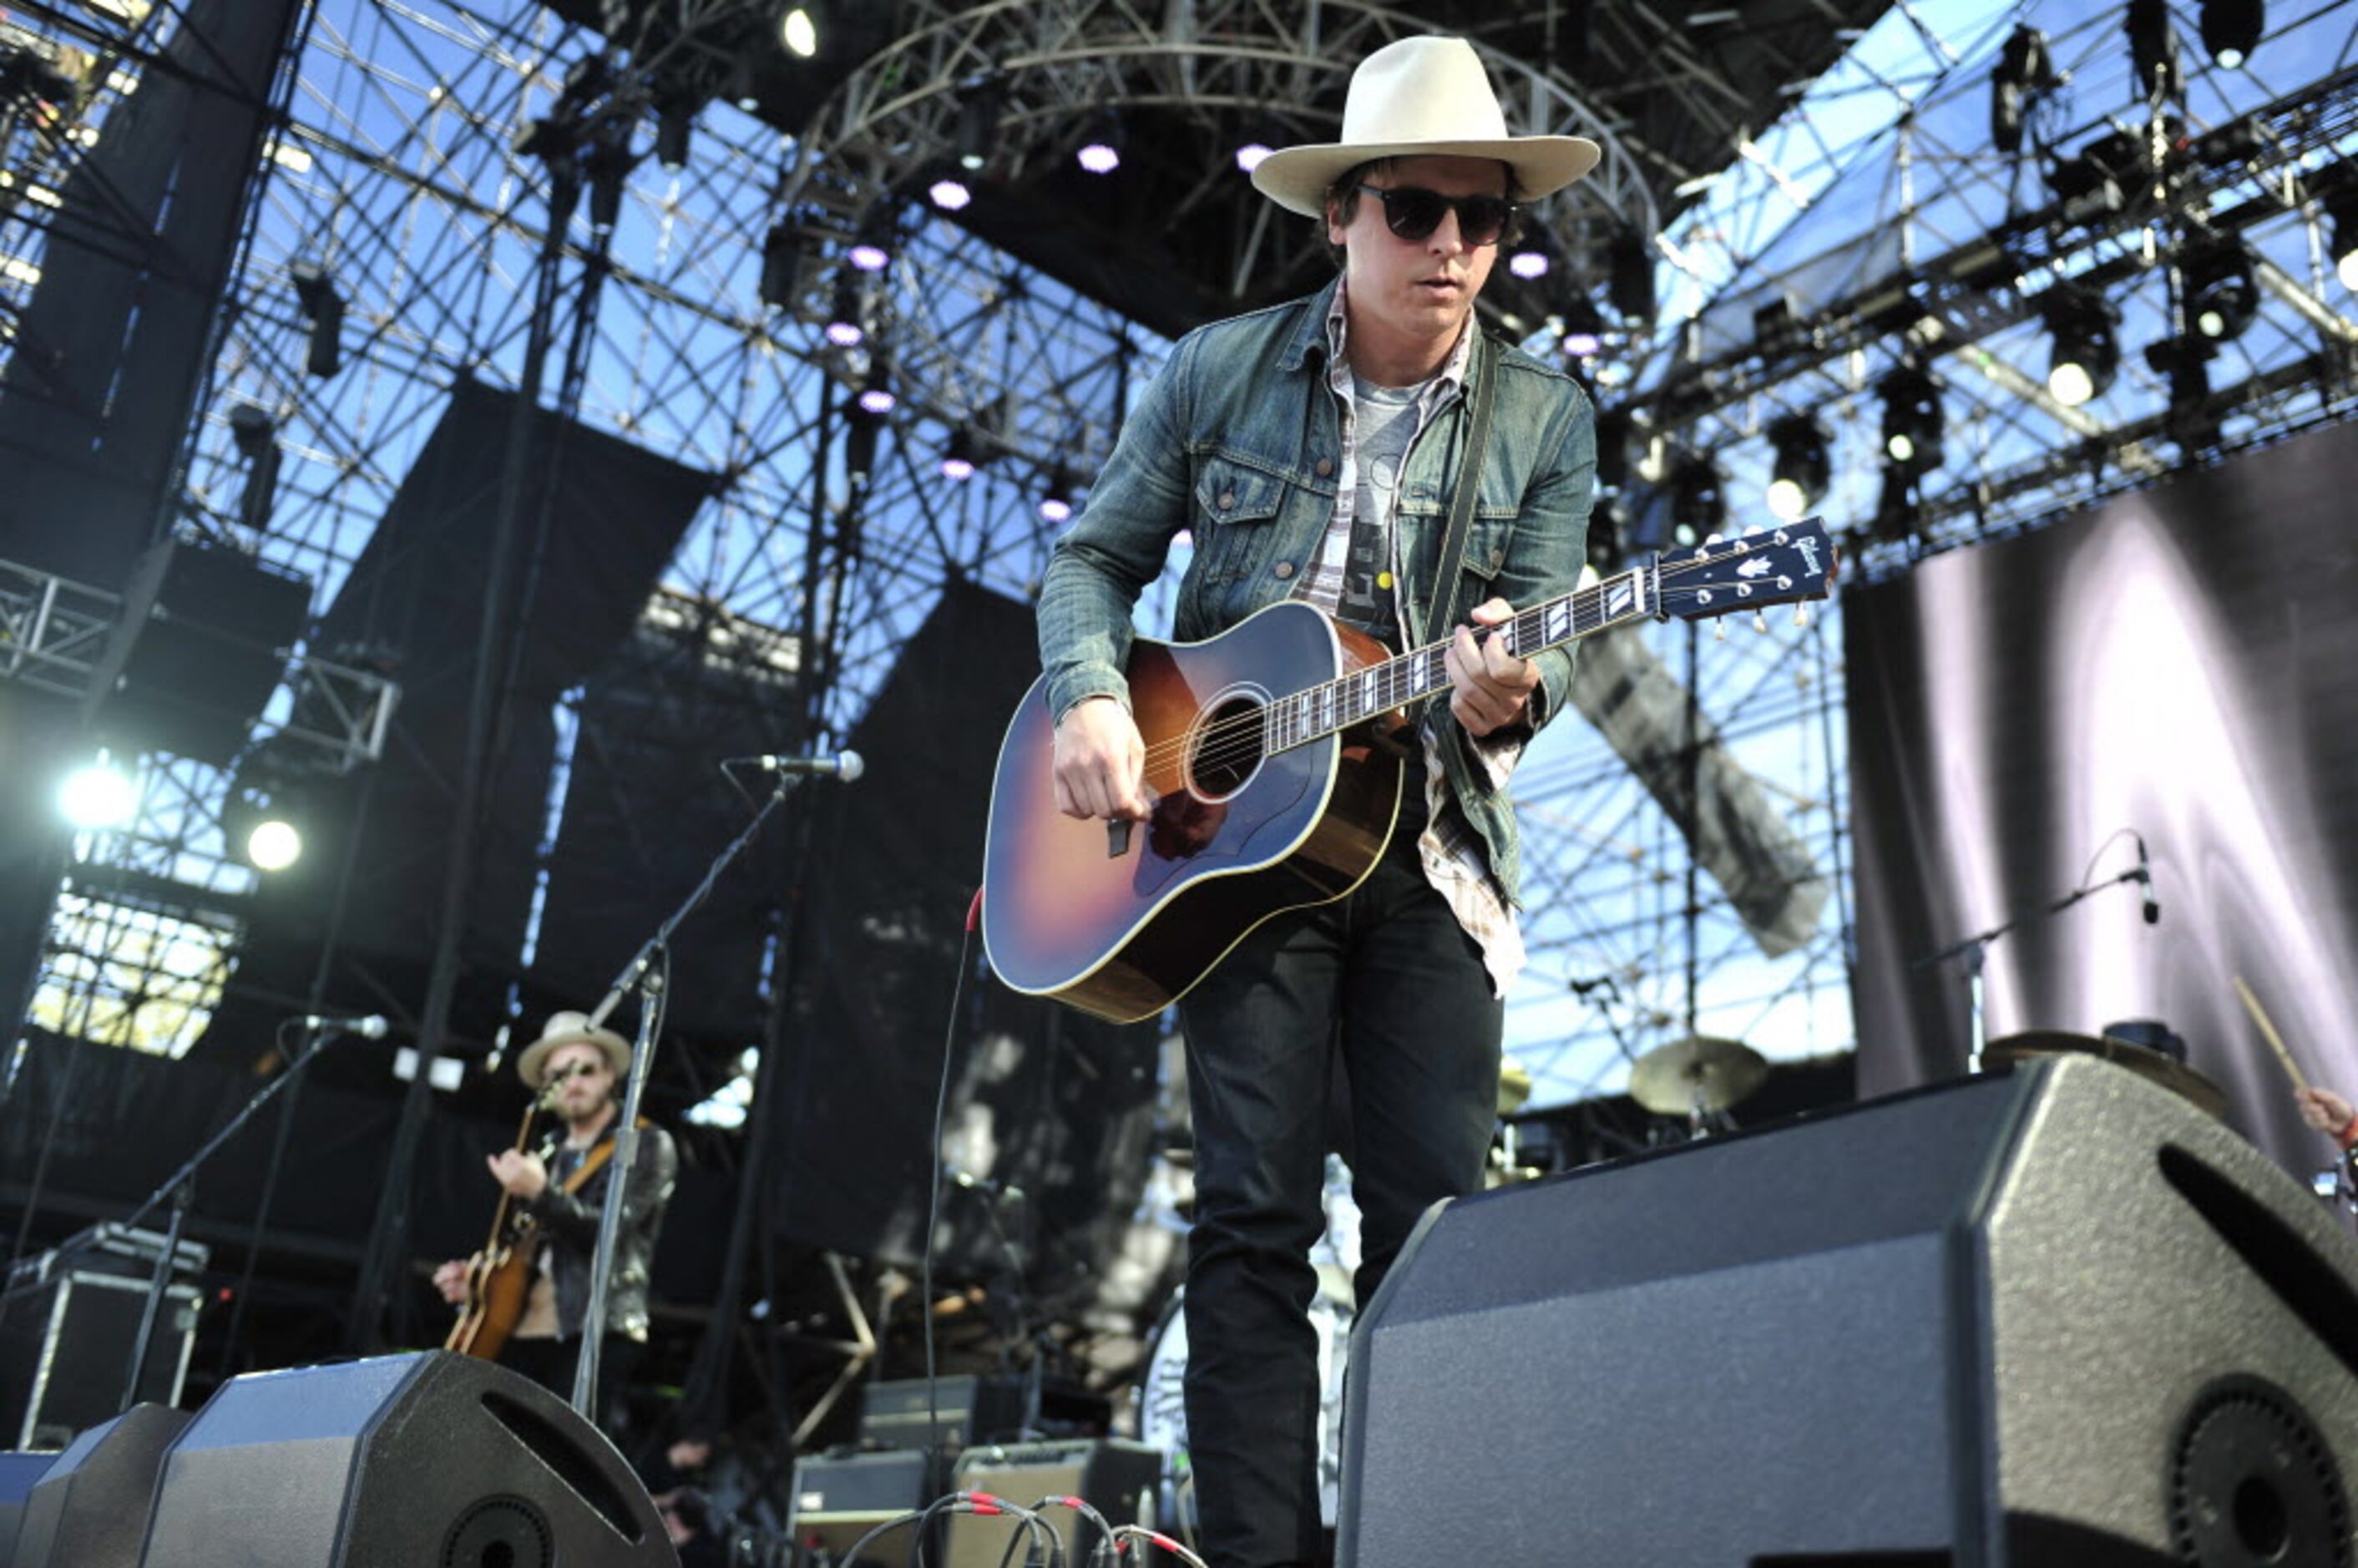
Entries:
{"x":2145,"y":883}
{"x":845,"y":765}
{"x":373,"y":1027}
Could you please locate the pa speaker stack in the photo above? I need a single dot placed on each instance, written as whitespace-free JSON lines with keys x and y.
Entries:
{"x":2055,"y":1318}
{"x":427,"y":1461}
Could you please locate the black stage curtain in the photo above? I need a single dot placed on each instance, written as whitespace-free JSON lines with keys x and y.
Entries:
{"x":2182,"y":662}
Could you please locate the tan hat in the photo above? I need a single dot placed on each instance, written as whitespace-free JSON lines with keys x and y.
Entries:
{"x":570,"y":1029}
{"x":1417,"y":98}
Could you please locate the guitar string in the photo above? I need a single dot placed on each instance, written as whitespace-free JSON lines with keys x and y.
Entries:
{"x":1230,"y":741}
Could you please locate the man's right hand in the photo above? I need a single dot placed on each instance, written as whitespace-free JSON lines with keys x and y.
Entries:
{"x":1101,"y":762}
{"x":450,"y":1278}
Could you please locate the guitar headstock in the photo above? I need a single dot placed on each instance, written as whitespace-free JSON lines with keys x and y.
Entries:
{"x":1786,"y":565}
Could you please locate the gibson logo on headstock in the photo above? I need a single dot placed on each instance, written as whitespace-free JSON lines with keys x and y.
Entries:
{"x":1810,"y":556}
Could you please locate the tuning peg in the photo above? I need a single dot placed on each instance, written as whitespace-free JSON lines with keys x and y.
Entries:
{"x":1751,"y":530}
{"x":1709,"y":539}
{"x":1801,"y":613}
{"x":1719,"y":630}
{"x":1761,"y":623}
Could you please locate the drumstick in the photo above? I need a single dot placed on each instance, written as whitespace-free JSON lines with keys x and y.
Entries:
{"x":2259,"y":1016}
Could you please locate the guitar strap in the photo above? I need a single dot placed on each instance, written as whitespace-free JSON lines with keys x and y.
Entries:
{"x":596,"y":1161}
{"x":1448,"y":585}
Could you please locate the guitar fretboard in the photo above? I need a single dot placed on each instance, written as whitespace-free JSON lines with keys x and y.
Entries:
{"x":1317,"y":712}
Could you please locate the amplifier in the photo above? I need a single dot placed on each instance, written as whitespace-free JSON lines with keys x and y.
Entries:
{"x":971,"y":1410}
{"x":65,"y":1349}
{"x":1112,"y":1477}
{"x":838,"y":1499}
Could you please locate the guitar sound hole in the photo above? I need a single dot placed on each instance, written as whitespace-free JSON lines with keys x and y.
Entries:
{"x":1228,"y":748}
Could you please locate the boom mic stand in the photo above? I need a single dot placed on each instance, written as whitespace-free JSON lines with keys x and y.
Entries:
{"x":181,"y":1188}
{"x":1974,"y":948}
{"x":646,"y":973}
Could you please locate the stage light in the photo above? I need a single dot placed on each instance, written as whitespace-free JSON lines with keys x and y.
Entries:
{"x":877,"y":238}
{"x":2153,"y":50}
{"x":845,"y":326}
{"x":782,"y":249}
{"x":1530,"y":258}
{"x":1913,"y":418}
{"x":2185,"y":362}
{"x":958,"y":456}
{"x":2232,"y":30}
{"x":2341,"y":215}
{"x":798,"y":31}
{"x":1056,"y":500}
{"x":1100,"y":150}
{"x":950,"y":194}
{"x":323,"y":307}
{"x":2087,"y":346}
{"x":675,"y":124}
{"x":1250,"y":154}
{"x":876,"y":395}
{"x":2025,"y":71}
{"x":1698,"y":501}
{"x":1583,"y":327}
{"x":978,"y":121}
{"x":1802,"y":469}
{"x":274,"y":845}
{"x":2221,"y":295}
{"x":97,"y":796}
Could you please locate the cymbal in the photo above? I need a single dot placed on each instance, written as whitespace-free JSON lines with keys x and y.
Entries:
{"x":2143,"y":1060}
{"x":1701,"y":1074}
{"x":1514,"y":1086}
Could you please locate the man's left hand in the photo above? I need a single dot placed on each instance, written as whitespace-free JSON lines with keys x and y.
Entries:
{"x":523,"y":1175}
{"x":1489,"y":687}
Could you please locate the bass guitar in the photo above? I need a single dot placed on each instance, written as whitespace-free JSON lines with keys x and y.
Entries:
{"x":1273,"y":758}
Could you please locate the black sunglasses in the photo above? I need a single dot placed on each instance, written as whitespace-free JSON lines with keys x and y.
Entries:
{"x":577,"y":1070}
{"x":1413,"y":213}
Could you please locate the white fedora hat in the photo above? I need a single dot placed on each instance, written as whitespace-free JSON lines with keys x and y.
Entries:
{"x":1416,"y":98}
{"x":570,"y":1029}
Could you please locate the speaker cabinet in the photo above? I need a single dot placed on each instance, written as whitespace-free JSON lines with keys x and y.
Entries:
{"x":840,"y":1498}
{"x":65,"y":1351}
{"x":2051,"y":1317}
{"x":1108,"y":1475}
{"x":430,"y":1459}
{"x":89,"y":1507}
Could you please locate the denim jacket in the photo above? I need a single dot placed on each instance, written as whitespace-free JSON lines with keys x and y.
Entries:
{"x":1240,"y":441}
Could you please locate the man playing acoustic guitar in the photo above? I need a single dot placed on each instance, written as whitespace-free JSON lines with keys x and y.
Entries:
{"x":555,"y":1195}
{"x":1316,"y":451}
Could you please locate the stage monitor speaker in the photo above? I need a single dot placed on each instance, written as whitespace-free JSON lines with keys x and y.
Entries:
{"x":198,"y":650}
{"x":431,"y":1459}
{"x":1108,"y":1475}
{"x":2054,"y":1317}
{"x":19,"y":1474}
{"x":90,"y":1509}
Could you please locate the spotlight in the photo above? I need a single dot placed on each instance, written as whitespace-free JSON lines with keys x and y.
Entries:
{"x":1583,"y":327}
{"x":1802,"y":469}
{"x":2153,"y":48}
{"x":978,"y":121}
{"x":1057,"y":501}
{"x":2221,"y":295}
{"x":1101,"y":149}
{"x":845,"y":327}
{"x":877,"y":238}
{"x":799,"y":31}
{"x":256,"y":436}
{"x":782,"y":266}
{"x":2341,"y":213}
{"x":675,"y":123}
{"x":2185,"y":362}
{"x":1529,"y":259}
{"x":876,"y":395}
{"x":1250,"y":154}
{"x":274,"y":845}
{"x":958,"y":456}
{"x":1913,"y":418}
{"x":1698,"y":503}
{"x":950,"y":194}
{"x":97,"y":796}
{"x":2025,"y":72}
{"x":2232,"y":30}
{"x":323,"y":307}
{"x":2087,"y":346}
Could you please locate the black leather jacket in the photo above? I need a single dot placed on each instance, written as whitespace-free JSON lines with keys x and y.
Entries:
{"x":570,"y":1220}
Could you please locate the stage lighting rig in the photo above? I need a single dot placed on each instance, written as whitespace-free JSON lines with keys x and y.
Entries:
{"x":1056,"y":498}
{"x":2086,"y":330}
{"x":2232,"y":30}
{"x":2185,"y":364}
{"x":981,"y":102}
{"x":323,"y":307}
{"x":2221,"y":294}
{"x":846,"y":324}
{"x":1802,"y":467}
{"x":1914,"y":421}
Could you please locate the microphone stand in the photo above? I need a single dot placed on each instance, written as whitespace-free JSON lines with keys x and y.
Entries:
{"x":1974,"y":948}
{"x":180,"y":1186}
{"x":645,"y":974}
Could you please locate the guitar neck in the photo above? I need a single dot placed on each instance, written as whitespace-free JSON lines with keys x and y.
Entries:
{"x":1317,"y":712}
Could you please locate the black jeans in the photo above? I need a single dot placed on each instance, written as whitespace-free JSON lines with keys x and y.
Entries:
{"x":1386,"y":979}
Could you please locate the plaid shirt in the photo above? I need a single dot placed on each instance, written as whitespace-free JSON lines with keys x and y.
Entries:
{"x":1450,"y":851}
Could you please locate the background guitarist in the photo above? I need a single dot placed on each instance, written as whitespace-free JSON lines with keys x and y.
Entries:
{"x":1312,"y":450}
{"x":578,"y":1071}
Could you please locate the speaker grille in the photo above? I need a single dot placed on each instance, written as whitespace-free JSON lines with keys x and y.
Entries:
{"x":2253,"y":1482}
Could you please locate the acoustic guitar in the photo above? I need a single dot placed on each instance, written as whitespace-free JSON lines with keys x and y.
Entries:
{"x":1274,"y":756}
{"x":499,"y":1277}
